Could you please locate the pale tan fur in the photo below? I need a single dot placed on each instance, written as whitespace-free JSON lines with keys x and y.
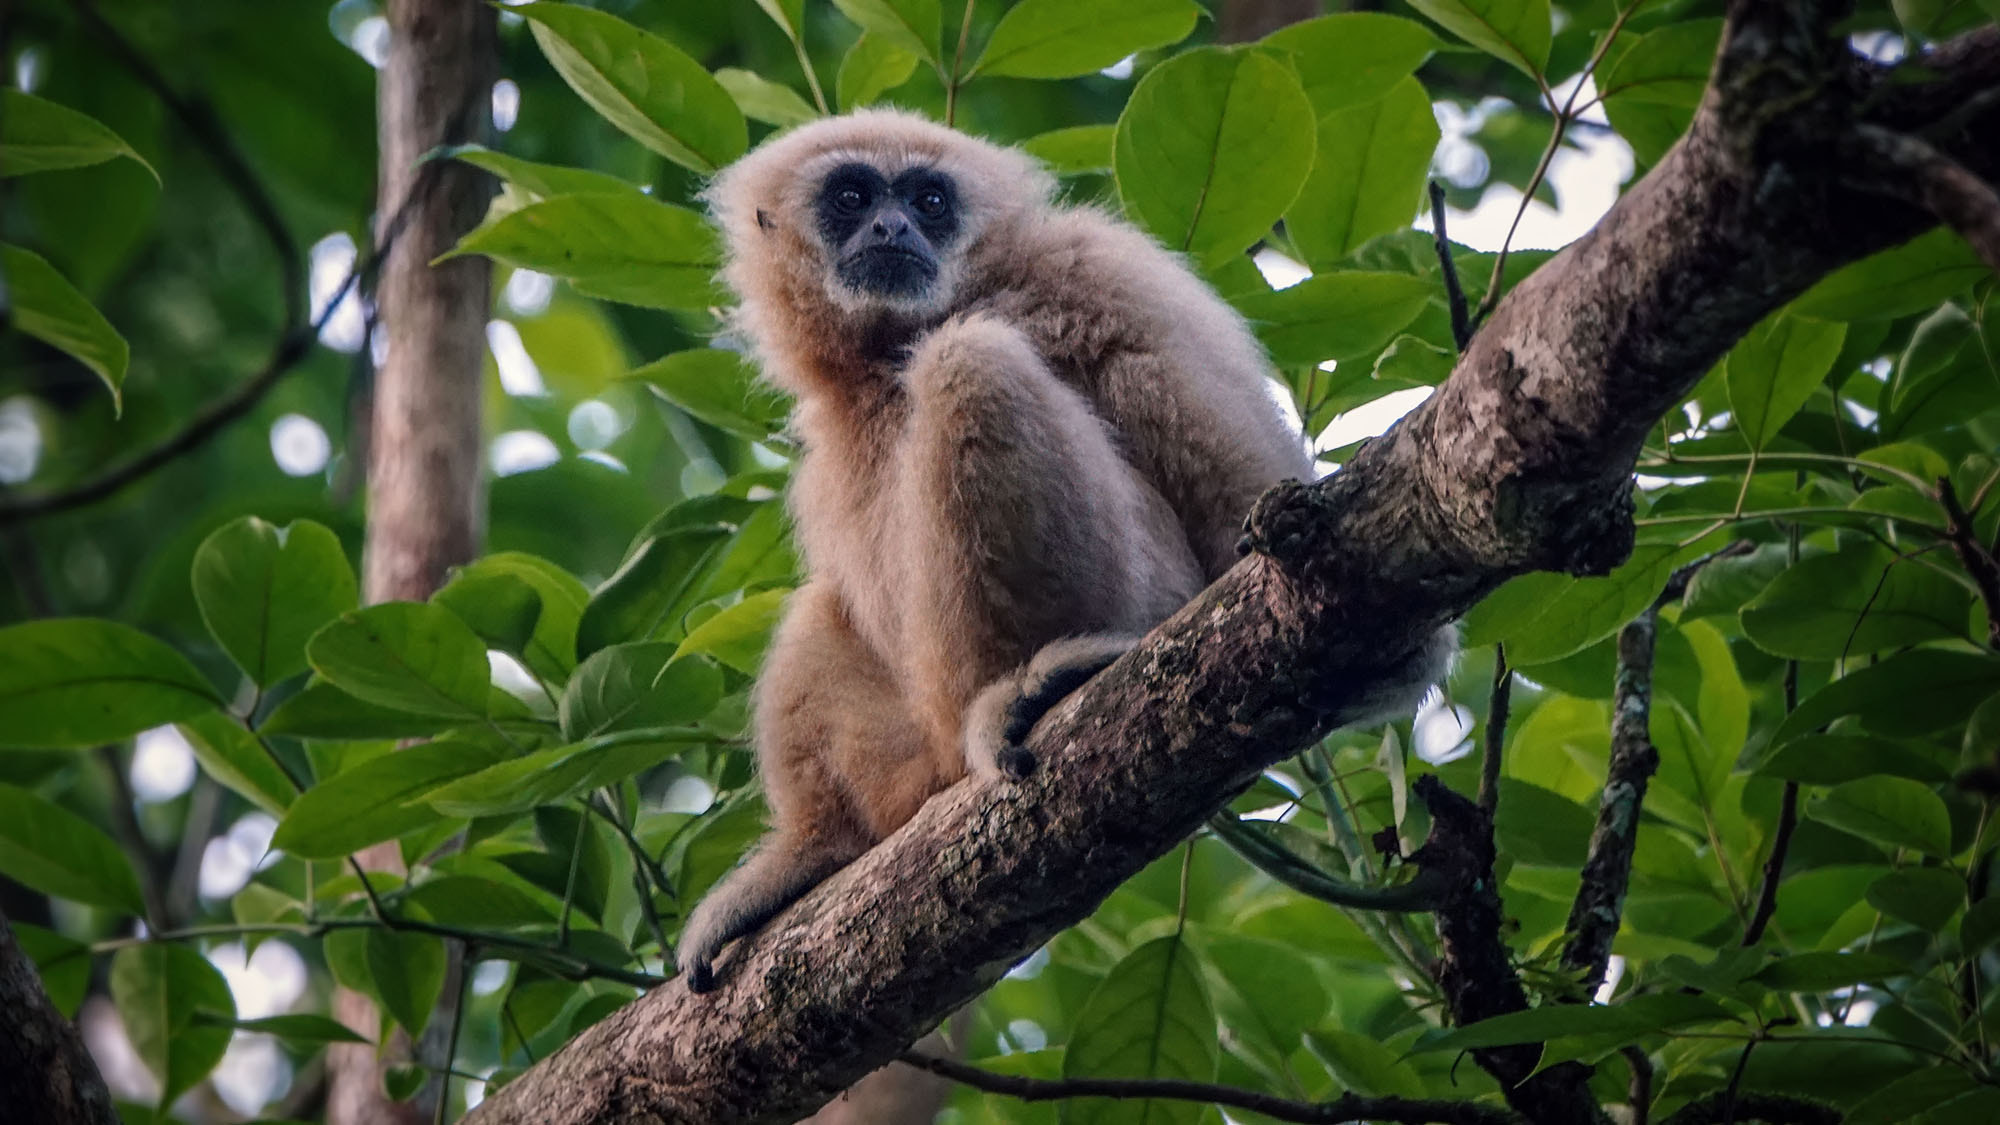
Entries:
{"x":1060,"y":438}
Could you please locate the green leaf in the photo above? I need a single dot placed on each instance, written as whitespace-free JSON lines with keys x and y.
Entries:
{"x":1367,"y":175}
{"x":1830,"y":759}
{"x":1069,"y":38}
{"x":633,"y":686}
{"x":79,"y":681}
{"x":651,"y":586}
{"x":1956,"y":383}
{"x":232,"y":756}
{"x":1335,"y":315}
{"x":263,"y":591}
{"x":64,"y":964}
{"x":789,"y":15}
{"x":159,"y":988}
{"x":1909,"y":278}
{"x":1515,"y":31}
{"x":1211,"y":149}
{"x":536,"y":179}
{"x":37,"y":135}
{"x":1591,"y":609}
{"x":737,"y":636}
{"x":1148,"y":1018}
{"x":550,"y":651}
{"x":761,"y":99}
{"x":1925,"y":897}
{"x":42,"y":303}
{"x":719,"y":388}
{"x":1857,"y":601}
{"x":1774,"y":369}
{"x":1651,"y":92}
{"x":1353,"y":57}
{"x":406,"y":972}
{"x":622,"y":247}
{"x":408,"y":656}
{"x":46,"y":847}
{"x":1888,"y":810}
{"x":545,"y":777}
{"x":373,"y":801}
{"x":1364,"y":1065}
{"x":1908,"y":693}
{"x":642,"y":84}
{"x":473,"y":902}
{"x":872,"y":67}
{"x":1921,"y":1095}
{"x":1076,"y":150}
{"x":1641,"y":1015}
{"x":503,"y":609}
{"x":322,"y":710}
{"x":908,"y":25}
{"x":302,"y":1027}
{"x":1823,"y":972}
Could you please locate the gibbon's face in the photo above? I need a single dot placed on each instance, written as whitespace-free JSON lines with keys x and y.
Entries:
{"x":888,"y":236}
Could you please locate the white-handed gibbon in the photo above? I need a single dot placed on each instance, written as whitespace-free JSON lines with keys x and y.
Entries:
{"x":1029,"y":435}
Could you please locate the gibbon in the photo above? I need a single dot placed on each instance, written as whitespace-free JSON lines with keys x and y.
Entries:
{"x":1029,"y":434}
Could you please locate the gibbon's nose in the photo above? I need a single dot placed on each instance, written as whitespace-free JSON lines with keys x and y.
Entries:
{"x":891,"y":225}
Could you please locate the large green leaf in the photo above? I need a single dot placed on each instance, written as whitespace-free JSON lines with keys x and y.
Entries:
{"x":1212,"y":148}
{"x":1074,"y":151}
{"x":550,"y":651}
{"x":872,"y":67}
{"x":909,"y":25}
{"x":1823,"y":972}
{"x":738,"y":635}
{"x":1651,"y":92}
{"x":1067,"y":38}
{"x":37,"y":135}
{"x":1514,"y":31}
{"x":232,"y":756}
{"x":159,"y":989}
{"x":539,"y":180}
{"x":1354,"y":57}
{"x":655,"y":583}
{"x":1774,"y":369}
{"x":632,"y":686}
{"x":408,"y":656}
{"x":1334,"y":315}
{"x":545,"y":777}
{"x":264,"y":591}
{"x":52,"y":850}
{"x":1890,"y":810}
{"x":719,"y":388}
{"x":1906,"y":694}
{"x":406,"y":972}
{"x":1855,"y":602}
{"x":764,"y":100}
{"x":40,"y":302}
{"x":621,"y":247}
{"x":321,"y":710}
{"x":1368,"y":174}
{"x":1633,"y":1018}
{"x":80,"y":681}
{"x":1148,"y":1018}
{"x":1590,"y":609}
{"x":641,"y":83}
{"x":374,"y":800}
{"x":1896,"y":282}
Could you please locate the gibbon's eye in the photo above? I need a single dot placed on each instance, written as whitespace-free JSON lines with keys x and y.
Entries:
{"x":930,"y":204}
{"x":849,"y":199}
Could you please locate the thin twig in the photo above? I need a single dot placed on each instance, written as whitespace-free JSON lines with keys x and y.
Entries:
{"x":1978,"y":562}
{"x":958,"y":76}
{"x":1280,"y":863}
{"x":1454,"y":291}
{"x":1498,"y":703}
{"x":441,"y":1110}
{"x":1348,"y":1107}
{"x":1639,"y":1091}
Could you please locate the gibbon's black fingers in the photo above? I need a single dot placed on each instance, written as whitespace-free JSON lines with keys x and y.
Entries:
{"x":700,"y":976}
{"x":1017,"y":762}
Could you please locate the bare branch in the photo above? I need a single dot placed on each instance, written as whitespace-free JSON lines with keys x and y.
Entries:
{"x":46,"y":1074}
{"x":1498,"y":703}
{"x":1347,"y":1107}
{"x":1774,"y":1109}
{"x":1911,"y":169}
{"x":1977,"y":560}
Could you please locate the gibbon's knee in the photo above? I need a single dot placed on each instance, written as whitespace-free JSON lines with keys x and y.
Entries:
{"x":1006,"y":711}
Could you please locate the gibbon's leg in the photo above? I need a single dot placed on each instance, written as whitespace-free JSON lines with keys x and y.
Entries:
{"x":1022,"y":523}
{"x":1000,"y":719}
{"x":840,"y":758}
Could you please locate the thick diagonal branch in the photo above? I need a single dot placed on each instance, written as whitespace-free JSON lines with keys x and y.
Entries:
{"x":1522,"y":460}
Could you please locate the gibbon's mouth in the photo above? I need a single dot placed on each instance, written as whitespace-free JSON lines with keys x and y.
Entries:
{"x":888,"y":271}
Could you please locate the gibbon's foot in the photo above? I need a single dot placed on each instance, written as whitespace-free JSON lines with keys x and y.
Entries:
{"x":700,"y":977}
{"x":1017,"y":762}
{"x":1004,"y":714}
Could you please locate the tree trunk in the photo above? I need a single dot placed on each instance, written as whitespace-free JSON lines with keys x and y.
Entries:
{"x":46,"y":1074}
{"x":1521,"y":461}
{"x":424,"y":490}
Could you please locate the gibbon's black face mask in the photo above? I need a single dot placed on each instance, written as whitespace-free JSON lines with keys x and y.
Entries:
{"x":886,"y":234}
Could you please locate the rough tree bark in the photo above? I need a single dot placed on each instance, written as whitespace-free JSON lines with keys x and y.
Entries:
{"x":1521,"y":461}
{"x":46,"y":1073}
{"x":424,"y":492}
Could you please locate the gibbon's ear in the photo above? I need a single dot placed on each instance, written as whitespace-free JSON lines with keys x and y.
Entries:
{"x":764,"y":220}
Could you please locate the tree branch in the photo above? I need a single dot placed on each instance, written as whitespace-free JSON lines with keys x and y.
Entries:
{"x":1775,"y":1109}
{"x":1910,"y":169}
{"x":1973,"y":555}
{"x":1522,"y":460}
{"x":46,"y":1074}
{"x":1600,"y":901}
{"x":1347,"y":1107}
